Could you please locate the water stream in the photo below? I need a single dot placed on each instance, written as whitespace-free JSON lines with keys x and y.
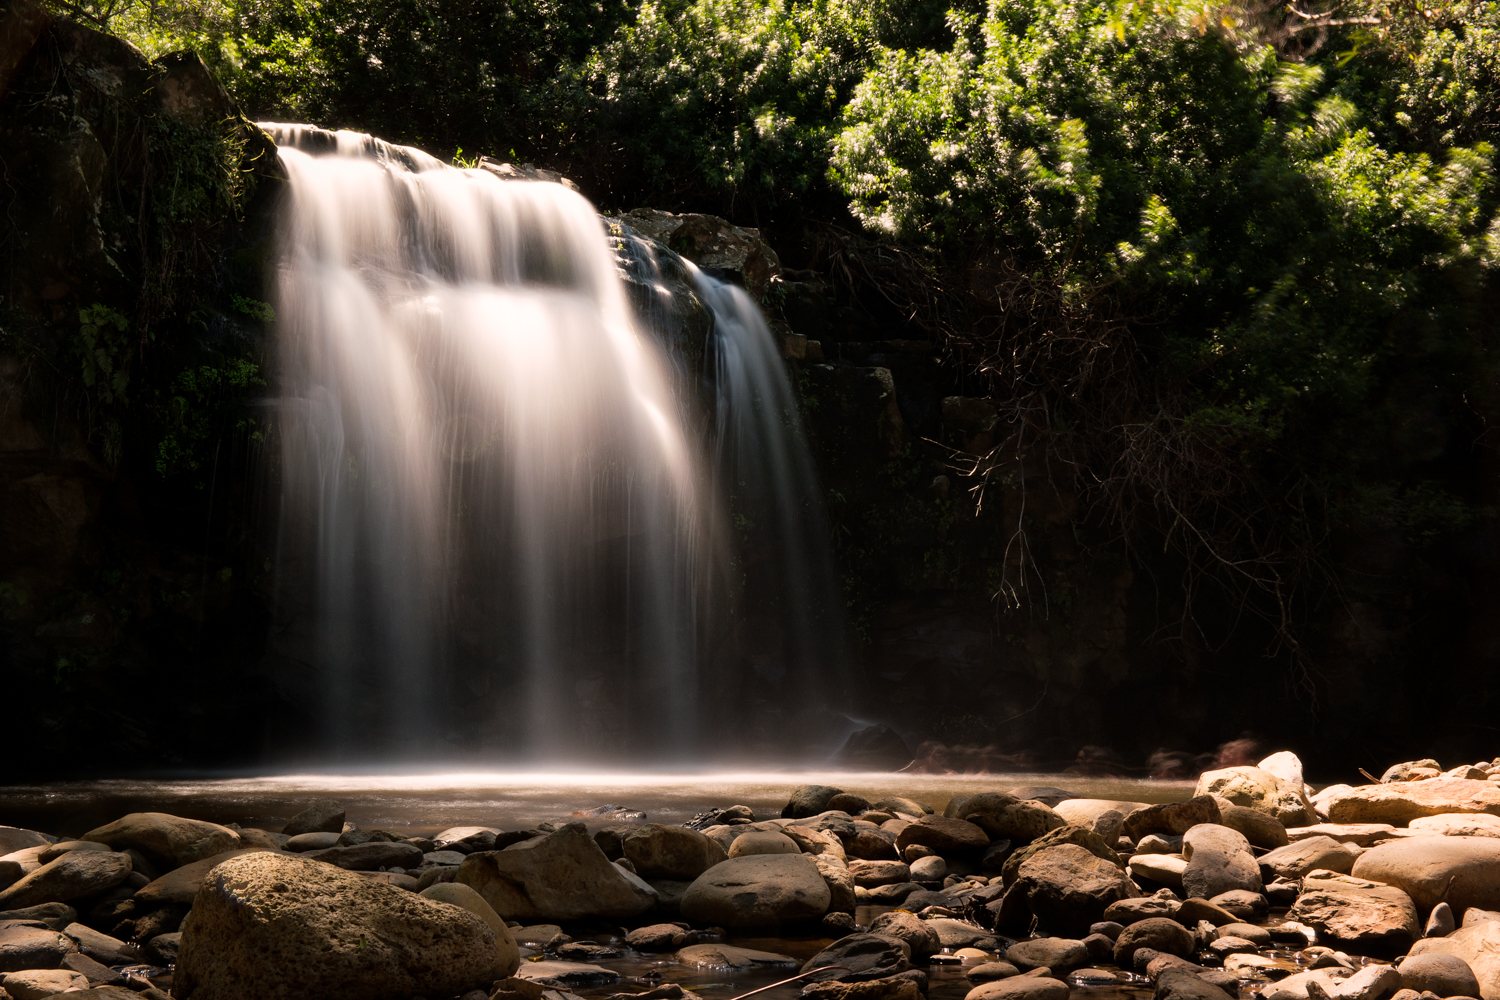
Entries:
{"x":502,"y":534}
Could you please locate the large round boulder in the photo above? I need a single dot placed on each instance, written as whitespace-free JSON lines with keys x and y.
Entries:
{"x":1171,"y":817}
{"x":1258,"y":789}
{"x":945,"y":835}
{"x":864,"y":956}
{"x":674,"y":852}
{"x":1309,"y":854}
{"x":1478,"y":944}
{"x":507,"y":952}
{"x":75,"y":875}
{"x":1462,"y":871}
{"x":1005,"y":817}
{"x":808,"y":800}
{"x":1218,"y":860}
{"x":1157,"y":933}
{"x":1445,"y":975}
{"x":556,"y":877}
{"x":270,"y":926}
{"x":758,"y":890}
{"x":1068,"y":888}
{"x":167,"y":841}
{"x":757,"y":842}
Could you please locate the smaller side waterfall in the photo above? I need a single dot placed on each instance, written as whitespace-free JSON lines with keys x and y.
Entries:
{"x":790,"y":608}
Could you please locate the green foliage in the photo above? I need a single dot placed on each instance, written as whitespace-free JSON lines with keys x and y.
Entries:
{"x":192,"y":414}
{"x":103,"y":349}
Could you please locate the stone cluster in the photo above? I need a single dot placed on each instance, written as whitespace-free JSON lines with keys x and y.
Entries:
{"x":1254,"y":886}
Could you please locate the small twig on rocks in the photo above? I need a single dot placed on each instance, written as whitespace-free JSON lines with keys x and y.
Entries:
{"x":1367,"y":774}
{"x":804,"y":975}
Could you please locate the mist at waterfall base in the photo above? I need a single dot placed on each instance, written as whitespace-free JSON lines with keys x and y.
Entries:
{"x":521,"y":515}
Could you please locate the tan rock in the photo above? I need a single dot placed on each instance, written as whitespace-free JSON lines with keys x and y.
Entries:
{"x":1083,"y":812}
{"x":1458,"y":824}
{"x":270,"y":926}
{"x":33,"y":984}
{"x":1400,"y":803}
{"x":559,"y":876}
{"x":1359,"y":834}
{"x":758,"y":890}
{"x":1463,"y":871}
{"x":1258,"y":789}
{"x":1356,"y":911}
{"x":760,"y":842}
{"x":168,"y":841}
{"x":507,"y":952}
{"x":1309,"y":854}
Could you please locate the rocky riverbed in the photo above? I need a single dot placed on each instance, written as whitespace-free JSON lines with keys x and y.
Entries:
{"x":1254,"y":886}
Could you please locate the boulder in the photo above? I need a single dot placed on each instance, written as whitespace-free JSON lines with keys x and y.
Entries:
{"x":1160,"y":934}
{"x":14,"y":838}
{"x":34,"y":984}
{"x":320,"y":816}
{"x":1356,"y":912}
{"x":808,"y":800}
{"x":75,"y":875}
{"x":1260,"y":790}
{"x":1258,"y":828}
{"x":656,"y":938}
{"x":1129,"y":911}
{"x":558,"y":876}
{"x":673,"y":852}
{"x":1443,"y":974}
{"x":1171,"y":817}
{"x":303,"y":842}
{"x":955,"y":934}
{"x":1245,"y":905}
{"x":988,"y":972}
{"x":102,"y":948}
{"x":944,"y":835}
{"x":1020,"y":988}
{"x":1068,"y":888}
{"x":1168,"y":869}
{"x":507,"y":952}
{"x":1003,"y":817}
{"x":1478,"y":944}
{"x":1218,"y":860}
{"x":26,"y":944}
{"x":869,"y":874}
{"x":167,"y":841}
{"x":567,"y":975}
{"x":840,"y":882}
{"x":1358,"y":834}
{"x":758,"y":842}
{"x":1461,"y":871}
{"x":1309,"y":854}
{"x":1060,"y":955}
{"x":1400,"y":803}
{"x":53,"y":915}
{"x":1065,"y":834}
{"x":1299,"y":986}
{"x":54,"y":851}
{"x":1458,"y":825}
{"x":270,"y":926}
{"x":1285,"y":765}
{"x":1083,"y":812}
{"x":723,"y":956}
{"x":921,"y":940}
{"x":896,"y":803}
{"x":931,"y":868}
{"x":1183,"y":984}
{"x":1196,"y":909}
{"x":758,"y":890}
{"x":889,"y":988}
{"x":370,"y":856}
{"x":866,"y":956}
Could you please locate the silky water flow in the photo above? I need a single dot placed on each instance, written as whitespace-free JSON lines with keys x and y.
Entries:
{"x":514,"y":525}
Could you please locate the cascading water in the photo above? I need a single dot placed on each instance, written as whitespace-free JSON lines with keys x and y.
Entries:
{"x":496,"y":536}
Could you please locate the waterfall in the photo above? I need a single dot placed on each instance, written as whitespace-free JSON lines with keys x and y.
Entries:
{"x":499,"y":533}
